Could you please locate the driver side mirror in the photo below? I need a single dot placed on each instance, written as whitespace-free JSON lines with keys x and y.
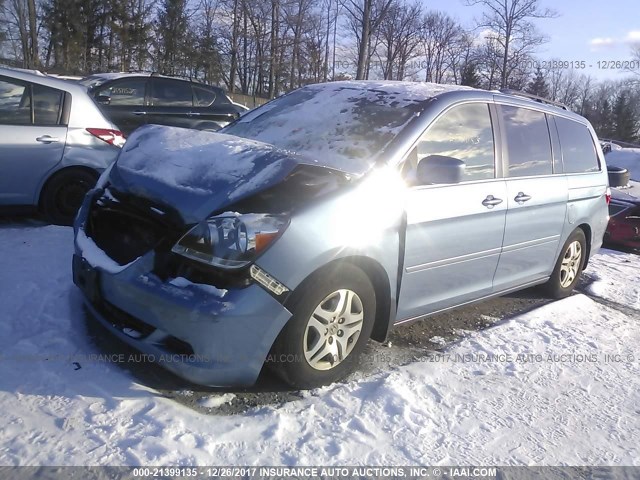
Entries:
{"x":103,"y":99}
{"x":439,"y":169}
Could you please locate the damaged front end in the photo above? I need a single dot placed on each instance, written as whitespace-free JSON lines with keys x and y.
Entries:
{"x":171,"y":282}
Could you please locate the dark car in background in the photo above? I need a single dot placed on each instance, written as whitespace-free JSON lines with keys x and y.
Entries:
{"x":134,"y":99}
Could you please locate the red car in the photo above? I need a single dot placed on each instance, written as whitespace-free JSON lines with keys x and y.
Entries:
{"x":624,"y":223}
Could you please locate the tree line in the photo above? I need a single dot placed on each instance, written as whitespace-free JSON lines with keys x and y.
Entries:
{"x":267,"y":47}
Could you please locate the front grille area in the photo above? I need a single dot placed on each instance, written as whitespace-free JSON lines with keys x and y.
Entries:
{"x":126,"y":228}
{"x":122,"y":321}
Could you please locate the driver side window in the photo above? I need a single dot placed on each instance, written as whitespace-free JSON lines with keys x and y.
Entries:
{"x":465,"y":133}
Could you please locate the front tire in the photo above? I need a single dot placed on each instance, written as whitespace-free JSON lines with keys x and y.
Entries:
{"x":333,"y":316}
{"x":569,"y":266}
{"x":64,"y":193}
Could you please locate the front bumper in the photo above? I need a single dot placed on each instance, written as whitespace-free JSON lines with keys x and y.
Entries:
{"x":207,"y":336}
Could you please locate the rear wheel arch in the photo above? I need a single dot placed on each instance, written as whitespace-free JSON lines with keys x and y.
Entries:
{"x":586,"y":229}
{"x":86,"y":172}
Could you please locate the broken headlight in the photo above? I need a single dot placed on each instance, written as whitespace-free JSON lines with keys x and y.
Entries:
{"x":231,"y":240}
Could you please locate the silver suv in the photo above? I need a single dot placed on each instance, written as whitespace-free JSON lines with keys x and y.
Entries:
{"x":54,"y":142}
{"x":331,"y":215}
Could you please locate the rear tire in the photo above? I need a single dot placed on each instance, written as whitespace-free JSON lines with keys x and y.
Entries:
{"x":333,"y":316}
{"x":64,"y":193}
{"x":568,"y":267}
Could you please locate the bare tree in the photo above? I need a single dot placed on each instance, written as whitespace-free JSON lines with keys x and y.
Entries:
{"x":398,"y":38}
{"x":15,"y":20}
{"x":365,"y":17}
{"x":514,"y":32}
{"x":439,"y":33}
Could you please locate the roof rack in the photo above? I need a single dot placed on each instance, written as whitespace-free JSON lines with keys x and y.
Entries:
{"x":535,"y":98}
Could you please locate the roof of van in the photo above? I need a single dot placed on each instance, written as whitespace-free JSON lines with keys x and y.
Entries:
{"x":428,"y":90}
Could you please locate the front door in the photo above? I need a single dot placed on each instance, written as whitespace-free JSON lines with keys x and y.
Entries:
{"x":454,"y":232}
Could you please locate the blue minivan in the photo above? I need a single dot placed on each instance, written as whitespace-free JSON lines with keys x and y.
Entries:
{"x":331,"y":215}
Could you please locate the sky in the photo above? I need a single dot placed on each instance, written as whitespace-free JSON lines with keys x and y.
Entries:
{"x":589,"y":30}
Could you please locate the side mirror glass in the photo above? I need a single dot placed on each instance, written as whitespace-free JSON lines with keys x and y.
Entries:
{"x":439,"y":169}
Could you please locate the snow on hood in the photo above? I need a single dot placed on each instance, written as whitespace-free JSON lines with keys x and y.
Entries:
{"x":197,"y":172}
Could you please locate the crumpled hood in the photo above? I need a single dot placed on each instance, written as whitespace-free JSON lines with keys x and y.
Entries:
{"x":197,"y":172}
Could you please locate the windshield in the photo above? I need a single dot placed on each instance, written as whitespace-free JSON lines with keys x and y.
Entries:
{"x":340,"y":125}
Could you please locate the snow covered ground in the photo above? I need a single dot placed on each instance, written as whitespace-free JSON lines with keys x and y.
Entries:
{"x":557,"y":385}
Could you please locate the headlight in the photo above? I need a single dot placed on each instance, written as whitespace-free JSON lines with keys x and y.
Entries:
{"x":231,"y":240}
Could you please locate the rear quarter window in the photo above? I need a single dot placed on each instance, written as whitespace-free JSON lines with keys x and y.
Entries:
{"x":578,"y":150}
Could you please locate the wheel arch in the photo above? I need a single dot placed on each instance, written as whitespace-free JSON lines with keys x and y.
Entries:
{"x":586,"y":229}
{"x":63,"y":171}
{"x":379,"y":279}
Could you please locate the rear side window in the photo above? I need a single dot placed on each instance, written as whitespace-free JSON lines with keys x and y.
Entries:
{"x":465,"y":133}
{"x":528,"y":142}
{"x":29,"y":104}
{"x":47,"y":105}
{"x":171,"y":93}
{"x":15,"y":103}
{"x":578,"y":151}
{"x":129,"y":91}
{"x":203,"y":97}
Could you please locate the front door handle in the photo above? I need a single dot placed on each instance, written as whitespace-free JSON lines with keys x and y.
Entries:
{"x":491,"y":201}
{"x":47,"y":139}
{"x":521,"y":198}
{"x":139,"y":112}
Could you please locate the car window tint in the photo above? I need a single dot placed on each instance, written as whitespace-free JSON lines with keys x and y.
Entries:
{"x":15,"y":103}
{"x":203,"y":97}
{"x":465,"y":133}
{"x":125,"y":92}
{"x":578,"y":151}
{"x":528,"y":142}
{"x":171,"y":93}
{"x":47,"y":105}
{"x":222,"y":99}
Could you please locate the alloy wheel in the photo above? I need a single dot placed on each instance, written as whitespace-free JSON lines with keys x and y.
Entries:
{"x":571,"y":263}
{"x":333,"y":329}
